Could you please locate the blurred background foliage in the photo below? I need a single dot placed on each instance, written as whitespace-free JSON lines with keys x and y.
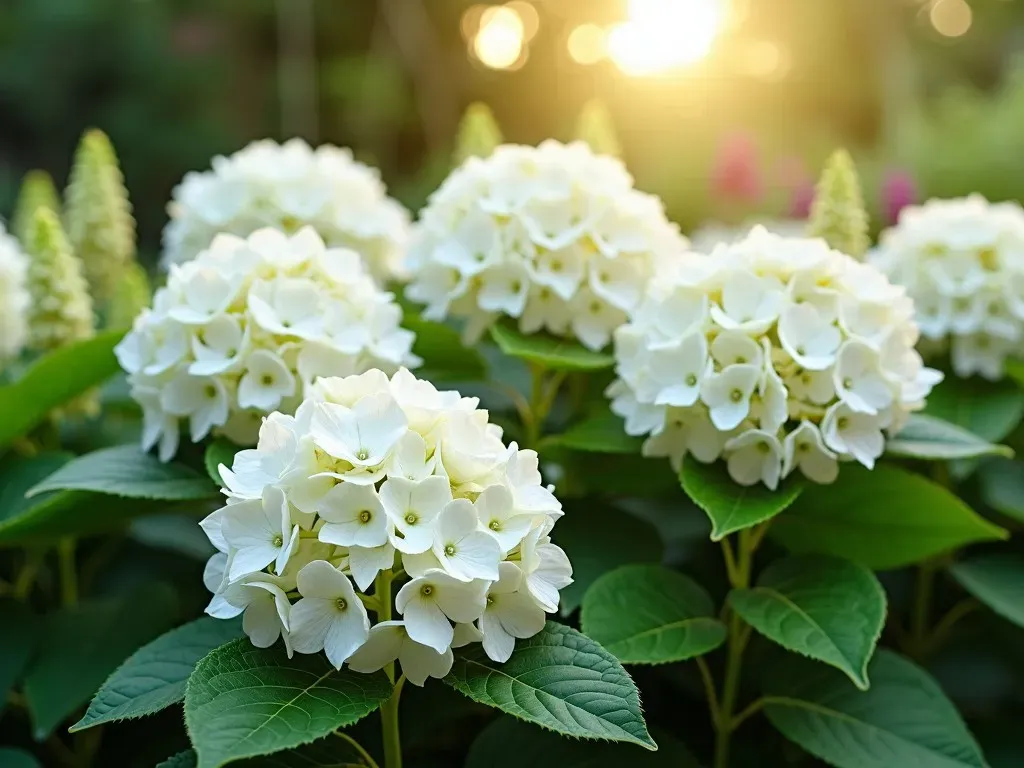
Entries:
{"x":759,"y":92}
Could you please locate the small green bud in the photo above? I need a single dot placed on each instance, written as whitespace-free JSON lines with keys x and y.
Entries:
{"x":37,"y":191}
{"x":131,"y":296}
{"x":478,"y":133}
{"x":99,"y":216}
{"x":596,"y":127}
{"x":837,"y":213}
{"x":61,"y":310}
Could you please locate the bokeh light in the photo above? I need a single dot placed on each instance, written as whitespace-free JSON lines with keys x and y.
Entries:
{"x":499,"y":42}
{"x":662,"y":35}
{"x":951,"y":18}
{"x":588,"y":44}
{"x":528,"y":16}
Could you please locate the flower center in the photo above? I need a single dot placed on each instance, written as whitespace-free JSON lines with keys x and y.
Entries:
{"x":278,"y":540}
{"x":210,"y":391}
{"x":267,"y":380}
{"x":516,"y":286}
{"x":449,"y":550}
{"x":848,"y":383}
{"x":763,"y":447}
{"x":341,"y":604}
{"x":426,"y":590}
{"x":362,"y":454}
{"x":494,"y":525}
{"x":691,"y":380}
{"x":843,"y":422}
{"x":490,"y":600}
{"x":595,"y":307}
{"x":556,"y":265}
{"x":412,"y":518}
{"x":736,"y":395}
{"x":803,"y":447}
{"x":365,"y":516}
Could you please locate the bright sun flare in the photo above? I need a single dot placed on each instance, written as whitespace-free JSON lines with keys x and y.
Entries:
{"x":661,"y":35}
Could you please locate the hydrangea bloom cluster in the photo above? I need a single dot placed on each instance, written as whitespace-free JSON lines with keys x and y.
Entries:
{"x":287,"y":186}
{"x":246,"y":327}
{"x":14,"y":296}
{"x":962,"y":262}
{"x":707,"y":237}
{"x":374,"y":475}
{"x":554,"y":236}
{"x":777,"y":354}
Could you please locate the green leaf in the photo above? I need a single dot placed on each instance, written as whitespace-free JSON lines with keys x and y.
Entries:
{"x":823,"y":607}
{"x":997,"y":580}
{"x":647,"y":614}
{"x":186,"y":759}
{"x":17,"y":641}
{"x":603,"y":433}
{"x":598,"y":539}
{"x":537,"y":748}
{"x":903,"y":720}
{"x":154,"y":676}
{"x":17,"y":758}
{"x":243,"y":701}
{"x":125,"y":471}
{"x":926,"y":437}
{"x":445,"y":357}
{"x":882,"y":518}
{"x":82,"y":645}
{"x":731,"y":506}
{"x":560,"y":680}
{"x":989,"y":409}
{"x":324,"y":753}
{"x":55,"y":514}
{"x":54,"y":379}
{"x":557,"y":354}
{"x":1002,"y":486}
{"x":220,"y":451}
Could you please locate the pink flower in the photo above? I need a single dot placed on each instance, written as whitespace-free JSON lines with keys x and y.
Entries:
{"x":898,"y":191}
{"x":736,"y":175}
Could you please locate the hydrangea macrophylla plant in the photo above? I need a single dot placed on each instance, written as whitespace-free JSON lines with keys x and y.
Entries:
{"x":553,"y":236}
{"x":14,"y":297}
{"x":288,"y":186}
{"x":776,"y":354}
{"x":244,"y":329}
{"x":369,"y":476}
{"x":705,"y":238}
{"x":962,"y":262}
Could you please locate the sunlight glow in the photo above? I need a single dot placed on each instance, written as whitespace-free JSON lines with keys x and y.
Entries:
{"x":662,"y":35}
{"x":501,"y":37}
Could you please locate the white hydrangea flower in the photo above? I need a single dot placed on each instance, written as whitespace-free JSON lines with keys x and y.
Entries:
{"x":243,"y":329}
{"x":962,"y":262}
{"x":14,"y":297}
{"x":374,"y":474}
{"x":554,"y":236}
{"x":288,"y":186}
{"x":708,"y":236}
{"x":775,"y":354}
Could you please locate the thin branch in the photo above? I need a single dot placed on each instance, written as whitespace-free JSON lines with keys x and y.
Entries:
{"x":709,"y":689}
{"x":753,"y":708}
{"x":358,"y":748}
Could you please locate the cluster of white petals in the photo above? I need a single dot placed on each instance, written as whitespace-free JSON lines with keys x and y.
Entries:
{"x":554,"y":236}
{"x":371,"y":476}
{"x":14,"y":296}
{"x":775,"y":354}
{"x":962,"y":262}
{"x":288,"y":186}
{"x":708,"y":236}
{"x":246,"y":327}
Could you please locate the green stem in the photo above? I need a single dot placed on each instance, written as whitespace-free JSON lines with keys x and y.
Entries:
{"x":918,"y":641}
{"x":389,"y":710}
{"x":739,"y":633}
{"x":68,"y":575}
{"x":27,"y":574}
{"x":358,"y":748}
{"x":945,"y":625}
